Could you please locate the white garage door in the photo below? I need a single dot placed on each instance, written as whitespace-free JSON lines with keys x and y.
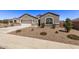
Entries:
{"x":27,"y":21}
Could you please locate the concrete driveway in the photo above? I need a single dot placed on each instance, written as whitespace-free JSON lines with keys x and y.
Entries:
{"x":13,"y":28}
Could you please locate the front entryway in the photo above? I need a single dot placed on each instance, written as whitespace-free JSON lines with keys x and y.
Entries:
{"x":49,"y":21}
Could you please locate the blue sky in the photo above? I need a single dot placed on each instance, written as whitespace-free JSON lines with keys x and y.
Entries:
{"x":8,"y":14}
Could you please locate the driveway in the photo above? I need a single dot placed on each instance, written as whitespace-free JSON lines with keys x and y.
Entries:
{"x":13,"y":28}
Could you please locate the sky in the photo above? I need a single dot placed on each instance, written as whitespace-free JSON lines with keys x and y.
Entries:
{"x":8,"y":14}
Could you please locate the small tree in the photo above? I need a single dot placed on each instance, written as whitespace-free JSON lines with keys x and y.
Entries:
{"x":68,"y":25}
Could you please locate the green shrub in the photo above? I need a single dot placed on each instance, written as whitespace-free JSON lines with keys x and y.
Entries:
{"x":68,"y":25}
{"x":42,"y":25}
{"x":72,"y":36}
{"x":43,"y":33}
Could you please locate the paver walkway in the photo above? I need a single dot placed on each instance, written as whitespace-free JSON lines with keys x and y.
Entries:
{"x":9,"y":41}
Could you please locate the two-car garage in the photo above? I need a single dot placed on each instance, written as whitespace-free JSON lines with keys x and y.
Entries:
{"x":28,"y":19}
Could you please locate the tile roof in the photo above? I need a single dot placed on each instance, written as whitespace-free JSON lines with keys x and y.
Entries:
{"x":48,"y":13}
{"x":28,"y":15}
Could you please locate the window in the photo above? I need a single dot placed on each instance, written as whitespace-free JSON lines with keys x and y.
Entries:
{"x":49,"y":21}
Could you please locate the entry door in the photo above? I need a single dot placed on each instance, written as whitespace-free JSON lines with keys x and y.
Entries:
{"x":49,"y":21}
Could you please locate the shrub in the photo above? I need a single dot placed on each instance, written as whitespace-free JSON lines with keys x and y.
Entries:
{"x":56,"y":32}
{"x":18,"y":31}
{"x":72,"y":36}
{"x":42,"y":25}
{"x":43,"y":33}
{"x":68,"y":25}
{"x":32,"y":29}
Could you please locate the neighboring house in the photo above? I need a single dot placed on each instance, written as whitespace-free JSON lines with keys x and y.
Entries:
{"x":76,"y":23}
{"x":48,"y":19}
{"x":61,"y":24}
{"x":9,"y":22}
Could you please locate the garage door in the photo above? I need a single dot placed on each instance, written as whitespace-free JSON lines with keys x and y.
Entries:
{"x":27,"y":21}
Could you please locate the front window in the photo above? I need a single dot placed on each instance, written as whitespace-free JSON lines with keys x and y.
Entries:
{"x":49,"y":21}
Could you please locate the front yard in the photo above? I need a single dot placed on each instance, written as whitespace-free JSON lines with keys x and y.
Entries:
{"x":48,"y":34}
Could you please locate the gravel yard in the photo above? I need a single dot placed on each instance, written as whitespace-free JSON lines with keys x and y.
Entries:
{"x":51,"y":34}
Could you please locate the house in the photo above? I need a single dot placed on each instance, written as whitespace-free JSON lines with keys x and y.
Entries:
{"x":49,"y":19}
{"x":76,"y":23}
{"x":9,"y":22}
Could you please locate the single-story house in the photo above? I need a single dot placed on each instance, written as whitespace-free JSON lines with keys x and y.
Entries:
{"x":9,"y":22}
{"x":76,"y":23}
{"x":48,"y":19}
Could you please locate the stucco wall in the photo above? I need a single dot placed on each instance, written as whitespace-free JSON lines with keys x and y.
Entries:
{"x":54,"y":17}
{"x":29,"y":20}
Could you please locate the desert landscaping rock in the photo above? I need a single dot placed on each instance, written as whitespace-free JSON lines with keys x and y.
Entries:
{"x":10,"y":41}
{"x":50,"y":34}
